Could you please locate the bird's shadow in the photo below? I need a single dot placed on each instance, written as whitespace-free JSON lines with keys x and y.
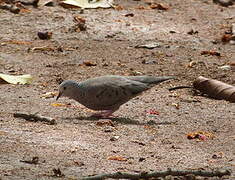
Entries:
{"x":121,"y":120}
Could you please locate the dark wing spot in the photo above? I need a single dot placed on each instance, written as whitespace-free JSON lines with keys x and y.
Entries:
{"x":124,"y":91}
{"x":116,"y":92}
{"x":101,"y":93}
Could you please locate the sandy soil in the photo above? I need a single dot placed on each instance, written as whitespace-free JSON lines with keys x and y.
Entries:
{"x":77,"y":144}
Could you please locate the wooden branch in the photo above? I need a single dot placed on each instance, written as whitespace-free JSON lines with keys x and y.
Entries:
{"x":146,"y":175}
{"x":35,"y":118}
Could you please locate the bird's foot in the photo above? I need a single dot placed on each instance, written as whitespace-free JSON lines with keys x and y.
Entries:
{"x":104,"y":114}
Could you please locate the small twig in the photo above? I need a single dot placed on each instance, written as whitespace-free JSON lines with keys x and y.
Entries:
{"x":35,"y":118}
{"x":179,"y":87}
{"x":34,"y":160}
{"x":146,"y":175}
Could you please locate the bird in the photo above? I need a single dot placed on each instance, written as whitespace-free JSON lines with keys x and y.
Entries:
{"x":107,"y":93}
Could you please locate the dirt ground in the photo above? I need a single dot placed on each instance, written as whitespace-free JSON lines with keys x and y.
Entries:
{"x":78,"y":145}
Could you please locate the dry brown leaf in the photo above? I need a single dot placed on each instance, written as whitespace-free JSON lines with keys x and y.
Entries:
{"x":215,"y":89}
{"x":49,"y":95}
{"x":104,"y":122}
{"x":200,"y":135}
{"x":59,"y":105}
{"x":88,"y":63}
{"x":141,"y":7}
{"x":159,"y":6}
{"x":79,"y":19}
{"x":24,"y":10}
{"x":226,"y":38}
{"x":129,"y":15}
{"x":117,"y":158}
{"x":211,"y":53}
{"x":80,"y":24}
{"x":118,"y":8}
{"x":45,"y":35}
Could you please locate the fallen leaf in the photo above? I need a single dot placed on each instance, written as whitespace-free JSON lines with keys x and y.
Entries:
{"x":59,"y":105}
{"x":49,"y":95}
{"x":191,"y":32}
{"x":215,"y":89}
{"x":24,"y":10}
{"x":191,"y":64}
{"x":211,"y":53}
{"x":150,"y":45}
{"x":89,"y":3}
{"x":201,"y":135}
{"x":104,"y":123}
{"x":176,"y":105}
{"x":225,"y":67}
{"x":118,"y":8}
{"x":149,"y":62}
{"x":88,"y":63}
{"x":3,"y":133}
{"x":17,"y":42}
{"x":12,"y":79}
{"x":226,"y":38}
{"x":152,"y":112}
{"x":79,"y":19}
{"x":80,"y":24}
{"x":114,"y":138}
{"x":78,"y":163}
{"x":129,"y":15}
{"x":159,"y":6}
{"x":139,"y":142}
{"x":45,"y":35}
{"x":117,"y":158}
{"x":141,"y":7}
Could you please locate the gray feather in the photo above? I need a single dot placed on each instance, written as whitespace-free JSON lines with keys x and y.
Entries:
{"x":110,"y":92}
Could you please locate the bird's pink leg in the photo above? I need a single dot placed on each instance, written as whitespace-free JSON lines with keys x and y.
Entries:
{"x":104,"y":114}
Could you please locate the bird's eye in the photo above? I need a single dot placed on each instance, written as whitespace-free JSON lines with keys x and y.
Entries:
{"x":64,"y":88}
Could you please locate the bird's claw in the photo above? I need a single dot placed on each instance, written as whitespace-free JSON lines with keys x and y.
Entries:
{"x":103,"y":114}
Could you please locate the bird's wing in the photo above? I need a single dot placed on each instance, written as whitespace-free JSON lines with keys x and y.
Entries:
{"x":111,"y":91}
{"x":150,"y":79}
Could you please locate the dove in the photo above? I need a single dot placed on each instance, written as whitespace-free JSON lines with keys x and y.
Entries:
{"x":107,"y":93}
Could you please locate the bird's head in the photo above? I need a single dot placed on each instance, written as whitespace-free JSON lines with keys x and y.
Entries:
{"x":67,"y":88}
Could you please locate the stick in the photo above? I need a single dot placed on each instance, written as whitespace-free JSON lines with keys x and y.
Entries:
{"x":146,"y":175}
{"x":179,"y":87}
{"x":35,"y":118}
